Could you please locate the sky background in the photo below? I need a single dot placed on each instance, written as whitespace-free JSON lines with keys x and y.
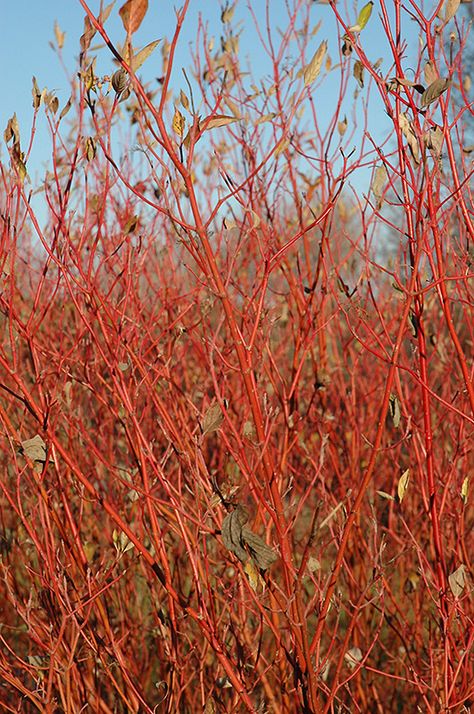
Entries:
{"x":27,"y":29}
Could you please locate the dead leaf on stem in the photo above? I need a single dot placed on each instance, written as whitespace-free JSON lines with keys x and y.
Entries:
{"x":35,"y":449}
{"x":132,"y":13}
{"x":434,"y":91}
{"x":212,"y":419}
{"x":457,"y":581}
{"x":313,"y":69}
{"x":242,"y":541}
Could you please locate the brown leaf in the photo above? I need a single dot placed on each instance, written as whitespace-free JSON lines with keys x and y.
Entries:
{"x":434,"y":91}
{"x":232,"y":532}
{"x":59,"y":35}
{"x":132,"y":13}
{"x":394,"y":407}
{"x":261,"y":553}
{"x":87,"y":35}
{"x":358,"y":72}
{"x":212,"y":420}
{"x":213,"y":122}
{"x":430,"y":73}
{"x":119,"y":80}
{"x":65,"y":109}
{"x":449,"y":10}
{"x":37,"y":94}
{"x":407,"y":131}
{"x":457,"y":581}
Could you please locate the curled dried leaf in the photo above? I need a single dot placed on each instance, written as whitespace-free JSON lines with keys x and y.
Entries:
{"x":178,"y":123}
{"x":260,"y":552}
{"x":232,"y":532}
{"x":434,"y":91}
{"x":353,"y":657}
{"x":120,"y":80}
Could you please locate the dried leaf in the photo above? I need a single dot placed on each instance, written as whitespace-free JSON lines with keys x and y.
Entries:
{"x":353,"y":657}
{"x":178,"y":122}
{"x":120,"y":80}
{"x":227,"y":13}
{"x":384,"y":494}
{"x":12,"y":131}
{"x":457,"y":581}
{"x":253,"y":575}
{"x":87,"y":35}
{"x":434,"y":91}
{"x":430,"y":73}
{"x":467,"y":83}
{"x":407,"y":130}
{"x":212,"y":419}
{"x":90,"y":148}
{"x":236,"y":535}
{"x":213,"y":122}
{"x":59,"y":35}
{"x":132,"y":13}
{"x":465,"y":490}
{"x":403,"y":485}
{"x":394,"y":407}
{"x":379,"y":182}
{"x":65,"y":109}
{"x":282,"y":146}
{"x":104,"y":15}
{"x":37,"y":94}
{"x":143,"y":55}
{"x":261,"y":553}
{"x":358,"y":72}
{"x":434,"y":139}
{"x":448,"y":10}
{"x":184,"y":100}
{"x":264,"y":118}
{"x":35,"y":449}
{"x":342,"y":126}
{"x":313,"y":69}
{"x":232,"y":532}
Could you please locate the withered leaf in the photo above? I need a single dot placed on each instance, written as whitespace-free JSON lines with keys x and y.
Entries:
{"x":242,"y":541}
{"x":403,"y":485}
{"x":434,"y":91}
{"x":394,"y":407}
{"x":313,"y":69}
{"x":216,"y":121}
{"x":213,"y":418}
{"x":87,"y":35}
{"x":358,"y":72}
{"x":410,"y":136}
{"x":232,"y":532}
{"x":65,"y":109}
{"x":457,"y":581}
{"x":342,"y":126}
{"x":35,"y":449}
{"x":119,"y":80}
{"x":132,"y":13}
{"x":261,"y":553}
{"x":178,"y":122}
{"x":37,"y":94}
{"x":379,"y":181}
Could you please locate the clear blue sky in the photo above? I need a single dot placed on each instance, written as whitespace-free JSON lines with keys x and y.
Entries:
{"x":27,"y":29}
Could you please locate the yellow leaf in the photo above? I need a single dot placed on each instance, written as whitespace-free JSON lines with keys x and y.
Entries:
{"x":403,"y":484}
{"x":363,"y":18}
{"x":465,"y":489}
{"x":253,"y":575}
{"x":178,"y":122}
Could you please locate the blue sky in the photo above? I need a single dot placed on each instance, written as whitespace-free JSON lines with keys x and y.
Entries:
{"x":27,"y":29}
